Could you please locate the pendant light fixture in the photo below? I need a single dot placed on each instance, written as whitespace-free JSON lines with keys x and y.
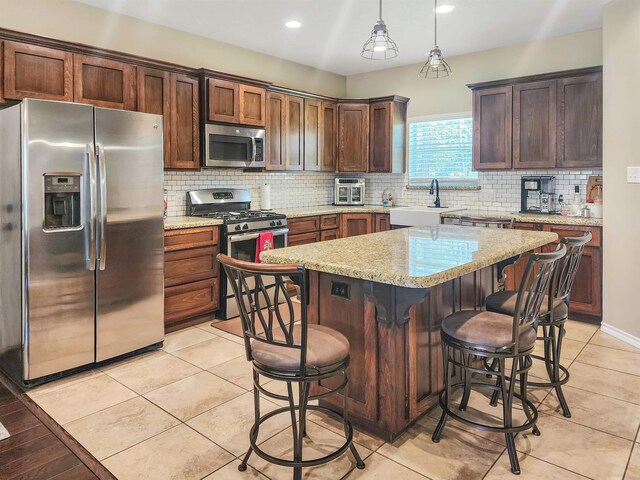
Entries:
{"x":435,"y":67}
{"x":379,"y":46}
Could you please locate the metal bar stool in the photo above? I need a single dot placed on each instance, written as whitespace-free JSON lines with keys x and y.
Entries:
{"x":489,"y":222}
{"x":281,"y":348}
{"x":509,"y":339}
{"x":552,"y":326}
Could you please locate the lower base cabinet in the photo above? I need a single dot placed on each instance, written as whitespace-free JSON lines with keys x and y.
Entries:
{"x":319,"y":228}
{"x":354,"y":224}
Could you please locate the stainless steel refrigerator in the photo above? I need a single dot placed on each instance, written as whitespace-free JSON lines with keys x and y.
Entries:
{"x":81,"y":236}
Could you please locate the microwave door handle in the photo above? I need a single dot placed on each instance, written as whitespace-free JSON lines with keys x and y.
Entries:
{"x":253,"y":149}
{"x":93,"y":206}
{"x":103,"y":207}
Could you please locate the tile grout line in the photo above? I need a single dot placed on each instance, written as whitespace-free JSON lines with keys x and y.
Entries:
{"x":633,"y":447}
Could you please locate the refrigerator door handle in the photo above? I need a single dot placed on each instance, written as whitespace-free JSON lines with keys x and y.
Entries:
{"x":93,"y":206}
{"x":102,"y":257}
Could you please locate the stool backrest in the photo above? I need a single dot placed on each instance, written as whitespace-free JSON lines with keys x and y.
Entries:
{"x":568,"y":268}
{"x":535,"y":285}
{"x":489,"y":222}
{"x":259,"y":303}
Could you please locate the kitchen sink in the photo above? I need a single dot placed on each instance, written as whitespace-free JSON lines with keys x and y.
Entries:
{"x":419,"y":216}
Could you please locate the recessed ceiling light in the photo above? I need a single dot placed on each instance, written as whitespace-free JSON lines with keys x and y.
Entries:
{"x":445,"y":9}
{"x":293,"y":24}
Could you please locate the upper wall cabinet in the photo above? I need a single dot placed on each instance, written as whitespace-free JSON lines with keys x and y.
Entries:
{"x":104,"y":83}
{"x":388,"y":136}
{"x":276,"y":127}
{"x":294,"y":133}
{"x":32,"y":71}
{"x":312,"y":134}
{"x":154,"y":96}
{"x":541,"y":122}
{"x":353,"y":139}
{"x":237,"y":103}
{"x":185,"y":128}
{"x":329,"y":137}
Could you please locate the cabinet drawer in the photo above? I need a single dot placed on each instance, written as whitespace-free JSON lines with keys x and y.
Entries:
{"x":196,"y":298}
{"x":185,"y":266}
{"x":329,"y":234}
{"x":190,"y":238}
{"x":303,"y":239}
{"x":303,"y":225}
{"x":527,"y":226}
{"x":577,"y":231}
{"x":328,"y":222}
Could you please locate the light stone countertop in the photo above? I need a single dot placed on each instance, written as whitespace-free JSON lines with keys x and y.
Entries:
{"x":176,"y":223}
{"x":529,"y":217}
{"x":331,"y":210}
{"x":412,"y":257}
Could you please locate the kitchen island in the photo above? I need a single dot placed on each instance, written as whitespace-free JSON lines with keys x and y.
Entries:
{"x":387,"y":293}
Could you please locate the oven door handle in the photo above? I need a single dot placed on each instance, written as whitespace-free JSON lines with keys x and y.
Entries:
{"x":250,"y":236}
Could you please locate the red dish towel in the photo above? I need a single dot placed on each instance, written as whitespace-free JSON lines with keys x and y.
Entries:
{"x":264,"y":242}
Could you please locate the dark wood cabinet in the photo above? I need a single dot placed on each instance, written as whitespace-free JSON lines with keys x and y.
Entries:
{"x":534,"y":125}
{"x":32,"y":71}
{"x":104,"y":83}
{"x":312,"y":134}
{"x":579,"y":108}
{"x":252,"y":105}
{"x":492,"y":129}
{"x":191,"y":274}
{"x":223,"y":101}
{"x":329,"y":221}
{"x":294,"y":153}
{"x":329,"y":137}
{"x":185,"y":127}
{"x":303,"y":239}
{"x":353,"y":224}
{"x":353,"y":140}
{"x":382,"y":222}
{"x":276,"y":125}
{"x":154,"y":96}
{"x":387,"y":136}
{"x":303,"y":225}
{"x":329,"y":234}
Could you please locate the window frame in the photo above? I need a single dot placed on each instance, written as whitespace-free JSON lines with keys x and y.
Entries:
{"x":418,"y":182}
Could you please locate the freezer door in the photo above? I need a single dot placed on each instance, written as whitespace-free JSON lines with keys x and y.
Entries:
{"x":130,"y":283}
{"x":59,"y":286}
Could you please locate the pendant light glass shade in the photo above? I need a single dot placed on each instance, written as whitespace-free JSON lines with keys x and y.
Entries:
{"x":380,"y":46}
{"x":435,"y":66}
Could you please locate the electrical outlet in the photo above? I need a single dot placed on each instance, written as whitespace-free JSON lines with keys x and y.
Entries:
{"x":340,"y":290}
{"x":633,"y":174}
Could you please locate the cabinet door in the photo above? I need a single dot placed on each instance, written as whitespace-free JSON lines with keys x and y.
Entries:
{"x":492,"y":128}
{"x":252,"y":105}
{"x":380,"y":137}
{"x":303,"y":239}
{"x":382,"y":222}
{"x":154,"y":96}
{"x":303,"y":225}
{"x":513,"y":273}
{"x":586,"y":292}
{"x":185,"y":133}
{"x":580,"y":121}
{"x":104,"y":83}
{"x":353,"y":143}
{"x":295,"y":133}
{"x":354,"y":224}
{"x":534,"y":125}
{"x":191,"y":299}
{"x":276,"y":127}
{"x":186,"y":266}
{"x":37,"y":72}
{"x":312,"y":123}
{"x":224,"y":101}
{"x":329,"y":137}
{"x":329,"y":234}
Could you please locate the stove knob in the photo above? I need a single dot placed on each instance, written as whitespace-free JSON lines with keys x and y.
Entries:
{"x":279,"y":222}
{"x":237,"y":227}
{"x":245,"y":226}
{"x":273,"y":224}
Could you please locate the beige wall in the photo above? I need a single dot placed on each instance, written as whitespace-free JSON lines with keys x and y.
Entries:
{"x":76,"y":22}
{"x":621,"y":40}
{"x":450,"y":95}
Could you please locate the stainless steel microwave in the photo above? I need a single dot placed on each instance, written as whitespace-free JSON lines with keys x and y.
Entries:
{"x":233,"y":147}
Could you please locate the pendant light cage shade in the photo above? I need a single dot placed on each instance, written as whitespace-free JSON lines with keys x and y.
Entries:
{"x":435,"y":66}
{"x":380,"y":46}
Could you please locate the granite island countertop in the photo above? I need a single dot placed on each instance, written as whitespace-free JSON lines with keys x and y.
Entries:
{"x":412,"y":257}
{"x":529,"y":217}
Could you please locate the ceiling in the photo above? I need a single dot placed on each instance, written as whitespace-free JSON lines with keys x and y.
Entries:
{"x":334,"y":31}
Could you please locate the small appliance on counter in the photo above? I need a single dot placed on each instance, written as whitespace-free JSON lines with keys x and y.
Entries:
{"x":538,"y":194}
{"x":349,"y":191}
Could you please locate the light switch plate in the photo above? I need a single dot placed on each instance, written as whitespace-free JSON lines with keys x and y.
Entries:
{"x":633,"y":174}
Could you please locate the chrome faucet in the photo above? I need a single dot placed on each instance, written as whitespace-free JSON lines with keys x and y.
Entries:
{"x":437,"y":201}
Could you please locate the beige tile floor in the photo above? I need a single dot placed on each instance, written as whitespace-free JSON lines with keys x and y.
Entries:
{"x":184,"y":412}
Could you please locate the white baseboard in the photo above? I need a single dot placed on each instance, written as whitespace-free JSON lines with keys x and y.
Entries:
{"x":620,"y":335}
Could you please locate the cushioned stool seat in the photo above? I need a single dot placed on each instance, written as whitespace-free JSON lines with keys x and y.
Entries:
{"x":505,"y":302}
{"x":486,"y":329}
{"x":325,"y":347}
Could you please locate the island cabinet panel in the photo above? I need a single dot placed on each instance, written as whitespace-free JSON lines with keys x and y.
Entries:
{"x":580,"y":121}
{"x":104,"y":83}
{"x":252,"y":105}
{"x":329,"y":137}
{"x":154,"y":96}
{"x":312,"y":134}
{"x":223,"y":101}
{"x":353,"y":141}
{"x":382,"y":222}
{"x":32,"y":71}
{"x":276,"y":117}
{"x":185,"y":129}
{"x":492,"y":128}
{"x":191,"y":274}
{"x":353,"y":224}
{"x":295,"y":133}
{"x":534,"y":125}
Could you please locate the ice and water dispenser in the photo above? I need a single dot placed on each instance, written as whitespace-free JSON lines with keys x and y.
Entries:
{"x":62,"y":201}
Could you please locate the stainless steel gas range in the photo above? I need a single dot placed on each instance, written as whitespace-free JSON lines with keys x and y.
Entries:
{"x":240,"y":231}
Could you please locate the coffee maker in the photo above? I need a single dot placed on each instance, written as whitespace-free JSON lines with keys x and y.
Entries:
{"x":538,"y":194}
